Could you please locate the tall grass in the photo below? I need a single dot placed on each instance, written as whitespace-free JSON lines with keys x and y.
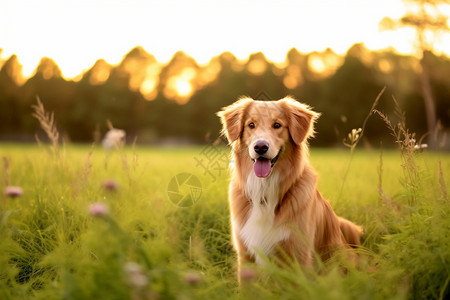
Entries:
{"x":422,"y":234}
{"x":140,"y":245}
{"x":52,"y":247}
{"x":47,"y":122}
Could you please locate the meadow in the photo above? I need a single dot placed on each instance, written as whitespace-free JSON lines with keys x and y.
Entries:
{"x":96,"y":224}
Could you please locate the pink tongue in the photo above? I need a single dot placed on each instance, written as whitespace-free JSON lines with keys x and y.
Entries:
{"x":262,"y":167}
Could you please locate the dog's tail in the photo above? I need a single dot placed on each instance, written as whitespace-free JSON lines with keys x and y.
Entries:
{"x":351,"y":232}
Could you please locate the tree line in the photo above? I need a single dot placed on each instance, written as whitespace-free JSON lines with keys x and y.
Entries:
{"x":177,"y":101}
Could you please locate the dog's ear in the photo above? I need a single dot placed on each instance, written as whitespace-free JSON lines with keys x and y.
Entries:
{"x":232,"y":118}
{"x":301,"y":119}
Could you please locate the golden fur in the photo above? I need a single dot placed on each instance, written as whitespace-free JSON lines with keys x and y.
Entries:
{"x":283,"y":211}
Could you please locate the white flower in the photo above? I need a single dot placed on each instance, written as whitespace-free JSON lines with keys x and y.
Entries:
{"x":420,"y":147}
{"x":135,"y":275}
{"x":114,"y":138}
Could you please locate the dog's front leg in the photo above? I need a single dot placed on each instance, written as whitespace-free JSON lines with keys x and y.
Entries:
{"x":296,"y":249}
{"x":243,"y":256}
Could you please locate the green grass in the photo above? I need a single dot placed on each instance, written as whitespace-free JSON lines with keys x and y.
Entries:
{"x":52,"y":248}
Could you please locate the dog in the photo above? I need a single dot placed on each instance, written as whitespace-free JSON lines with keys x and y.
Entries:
{"x":276,"y":208}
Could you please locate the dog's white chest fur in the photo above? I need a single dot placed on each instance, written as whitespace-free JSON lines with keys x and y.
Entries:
{"x":259,"y":233}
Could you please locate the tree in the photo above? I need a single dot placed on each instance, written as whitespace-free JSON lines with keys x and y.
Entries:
{"x":427,"y":22}
{"x":10,"y":76}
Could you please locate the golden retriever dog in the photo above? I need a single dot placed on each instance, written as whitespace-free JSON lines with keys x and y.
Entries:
{"x":276,"y":208}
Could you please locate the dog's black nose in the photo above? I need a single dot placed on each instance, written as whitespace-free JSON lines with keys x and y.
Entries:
{"x":261,"y":147}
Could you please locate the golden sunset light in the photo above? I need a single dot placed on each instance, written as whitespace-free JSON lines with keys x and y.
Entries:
{"x":76,"y":34}
{"x":203,"y":149}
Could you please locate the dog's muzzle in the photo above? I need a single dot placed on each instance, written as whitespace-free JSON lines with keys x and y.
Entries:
{"x":262,"y":166}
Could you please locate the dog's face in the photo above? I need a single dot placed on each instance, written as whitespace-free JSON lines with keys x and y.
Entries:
{"x":267,"y":129}
{"x":265,"y":133}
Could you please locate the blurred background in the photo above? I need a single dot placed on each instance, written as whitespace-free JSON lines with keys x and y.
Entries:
{"x":161,"y":70}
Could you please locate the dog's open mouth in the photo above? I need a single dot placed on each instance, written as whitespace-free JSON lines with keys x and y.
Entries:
{"x":262,"y":166}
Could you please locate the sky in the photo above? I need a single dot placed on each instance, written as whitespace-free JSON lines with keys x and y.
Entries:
{"x":77,"y":33}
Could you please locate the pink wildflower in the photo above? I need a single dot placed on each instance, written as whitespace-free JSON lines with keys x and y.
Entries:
{"x":193,"y":278}
{"x":98,"y":209}
{"x":247,"y":274}
{"x":110,"y":185}
{"x":13,"y":191}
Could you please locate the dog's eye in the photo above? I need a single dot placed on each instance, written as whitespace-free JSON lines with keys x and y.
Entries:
{"x":251,"y":125}
{"x":276,"y":125}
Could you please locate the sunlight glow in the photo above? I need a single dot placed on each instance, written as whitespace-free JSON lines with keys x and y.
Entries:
{"x":178,"y":89}
{"x":385,"y":66}
{"x":324,"y":64}
{"x":99,"y":77}
{"x":75,"y":34}
{"x":150,"y":82}
{"x":148,"y":89}
{"x":183,"y":87}
{"x":290,"y":82}
{"x":317,"y":64}
{"x":257,"y":67}
{"x":293,"y":78}
{"x":209,"y":74}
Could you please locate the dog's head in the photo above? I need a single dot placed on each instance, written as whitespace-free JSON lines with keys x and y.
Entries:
{"x":267,"y":128}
